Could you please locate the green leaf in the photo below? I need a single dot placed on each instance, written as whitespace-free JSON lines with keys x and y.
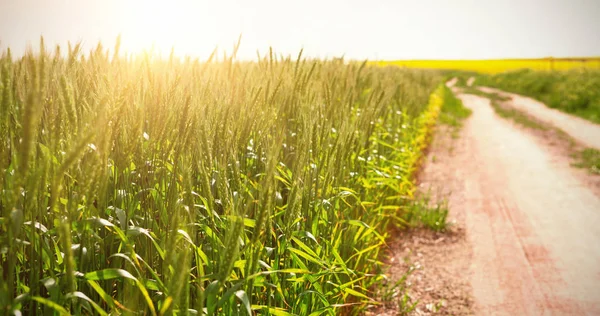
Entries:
{"x":186,"y":236}
{"x":48,"y":154}
{"x":211,"y":297}
{"x":355,"y":293}
{"x":135,"y":231}
{"x":166,"y":304}
{"x":272,"y":310}
{"x":107,"y":298}
{"x":61,"y":310}
{"x":242,"y":296}
{"x":108,"y":274}
{"x":304,"y":247}
{"x":248,"y":222}
{"x":122,"y":218}
{"x":305,"y":255}
{"x":84,"y":297}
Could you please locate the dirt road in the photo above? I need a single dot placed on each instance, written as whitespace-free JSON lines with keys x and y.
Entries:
{"x":581,"y":130}
{"x":534,"y":228}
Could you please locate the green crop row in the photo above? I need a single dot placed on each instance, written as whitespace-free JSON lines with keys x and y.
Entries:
{"x":173,"y":186}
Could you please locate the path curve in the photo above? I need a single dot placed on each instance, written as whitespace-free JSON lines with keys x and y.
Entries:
{"x":534,"y":228}
{"x":583,"y":131}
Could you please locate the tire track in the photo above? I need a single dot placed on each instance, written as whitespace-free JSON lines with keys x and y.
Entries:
{"x":532,"y":225}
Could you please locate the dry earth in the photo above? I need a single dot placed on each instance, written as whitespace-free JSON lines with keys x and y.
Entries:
{"x":526,"y":232}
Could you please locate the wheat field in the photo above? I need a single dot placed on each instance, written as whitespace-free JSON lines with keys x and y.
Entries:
{"x":158,"y":186}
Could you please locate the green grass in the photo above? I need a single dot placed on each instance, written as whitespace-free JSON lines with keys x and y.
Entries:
{"x":506,"y":111}
{"x":588,"y":158}
{"x":174,"y":186}
{"x":424,"y":213}
{"x":517,"y":116}
{"x":461,"y":76}
{"x":575,"y":91}
{"x":397,"y":293}
{"x":489,"y":95}
{"x":453,"y":111}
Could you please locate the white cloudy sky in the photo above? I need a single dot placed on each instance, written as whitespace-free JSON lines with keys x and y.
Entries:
{"x":375,"y":29}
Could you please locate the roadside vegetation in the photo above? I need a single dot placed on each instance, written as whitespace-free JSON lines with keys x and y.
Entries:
{"x":589,"y":158}
{"x":159,"y":186}
{"x":423,"y":211}
{"x":453,"y":111}
{"x":427,"y":214}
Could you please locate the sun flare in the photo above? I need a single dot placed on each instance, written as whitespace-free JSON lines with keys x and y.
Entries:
{"x":188,"y":27}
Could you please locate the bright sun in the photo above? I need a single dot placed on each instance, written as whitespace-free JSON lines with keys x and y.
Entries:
{"x":191,"y":27}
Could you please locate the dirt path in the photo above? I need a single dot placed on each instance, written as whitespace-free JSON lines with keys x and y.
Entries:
{"x":525,"y":238}
{"x":581,"y":130}
{"x":533,"y":227}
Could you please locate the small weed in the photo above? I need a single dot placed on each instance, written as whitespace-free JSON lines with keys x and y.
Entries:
{"x":588,"y":158}
{"x":397,"y":291}
{"x":406,"y":305}
{"x":434,"y":307}
{"x":389,"y":291}
{"x":422,"y":213}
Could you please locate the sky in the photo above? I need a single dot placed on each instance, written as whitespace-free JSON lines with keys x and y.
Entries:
{"x":375,"y":29}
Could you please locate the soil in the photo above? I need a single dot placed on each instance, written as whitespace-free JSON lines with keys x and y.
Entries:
{"x":525,"y":222}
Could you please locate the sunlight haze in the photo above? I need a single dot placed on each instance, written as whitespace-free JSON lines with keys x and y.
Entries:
{"x":463,"y":29}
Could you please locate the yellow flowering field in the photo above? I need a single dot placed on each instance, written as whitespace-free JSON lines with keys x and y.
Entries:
{"x":499,"y":65}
